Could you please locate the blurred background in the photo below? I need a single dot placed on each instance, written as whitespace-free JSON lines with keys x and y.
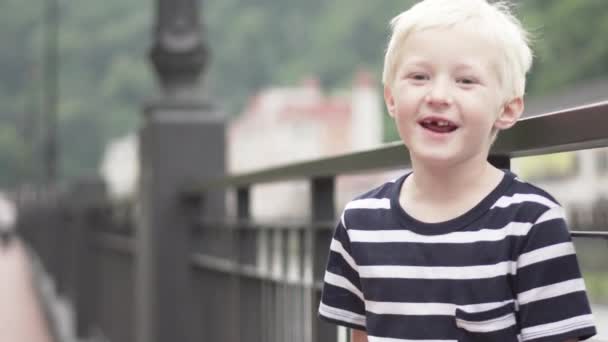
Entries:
{"x":286,"y":73}
{"x":103,"y":76}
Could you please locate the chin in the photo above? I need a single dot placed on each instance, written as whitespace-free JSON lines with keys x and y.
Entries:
{"x":440,"y":158}
{"x":436,"y":159}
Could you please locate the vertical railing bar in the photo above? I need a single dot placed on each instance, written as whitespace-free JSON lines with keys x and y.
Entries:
{"x":323,"y":209}
{"x":500,"y":161}
{"x":297,"y":288}
{"x":283,"y":245}
{"x":277,"y":277}
{"x":264,"y":266}
{"x":243,"y":210}
{"x":275,"y":259}
{"x":308,"y":280}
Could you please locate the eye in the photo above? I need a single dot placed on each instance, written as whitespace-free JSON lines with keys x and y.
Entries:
{"x":467,"y":80}
{"x":418,"y":76}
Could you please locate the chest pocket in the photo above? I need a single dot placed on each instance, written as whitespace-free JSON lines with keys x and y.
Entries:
{"x":488,"y":326}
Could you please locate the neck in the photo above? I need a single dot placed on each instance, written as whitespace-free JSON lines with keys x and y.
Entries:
{"x":448,"y":183}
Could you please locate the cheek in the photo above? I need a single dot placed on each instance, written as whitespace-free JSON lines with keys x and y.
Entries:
{"x":405,"y":128}
{"x":484,"y":113}
{"x":405,"y":106}
{"x":398,"y":122}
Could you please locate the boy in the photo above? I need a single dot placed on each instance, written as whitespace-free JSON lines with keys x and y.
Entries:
{"x":456,"y":250}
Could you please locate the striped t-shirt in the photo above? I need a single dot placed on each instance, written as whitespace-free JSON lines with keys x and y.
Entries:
{"x":504,"y":271}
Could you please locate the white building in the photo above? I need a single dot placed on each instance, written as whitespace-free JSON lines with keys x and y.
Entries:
{"x":284,"y":125}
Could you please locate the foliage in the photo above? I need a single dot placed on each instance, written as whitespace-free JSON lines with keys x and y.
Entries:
{"x":103,"y":81}
{"x":569,"y":40}
{"x":597,"y":287}
{"x":105,"y":77}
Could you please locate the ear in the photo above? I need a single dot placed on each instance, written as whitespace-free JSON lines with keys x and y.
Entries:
{"x":511,"y":112}
{"x":389,"y":100}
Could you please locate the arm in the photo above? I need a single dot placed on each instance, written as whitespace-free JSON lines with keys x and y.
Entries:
{"x":361,"y":336}
{"x":548,"y":283}
{"x":342,"y":300}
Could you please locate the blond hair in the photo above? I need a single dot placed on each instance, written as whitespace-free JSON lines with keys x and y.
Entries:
{"x":494,"y":20}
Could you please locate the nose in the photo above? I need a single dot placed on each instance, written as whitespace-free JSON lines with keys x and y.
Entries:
{"x":439,"y":93}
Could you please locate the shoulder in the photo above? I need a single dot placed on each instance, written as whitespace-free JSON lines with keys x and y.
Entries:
{"x":529,"y":188}
{"x":384,"y":190}
{"x":377,"y":198}
{"x":536,"y":212}
{"x":524,"y":197}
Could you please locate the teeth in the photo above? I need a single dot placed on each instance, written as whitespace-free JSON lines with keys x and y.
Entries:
{"x":442,"y":123}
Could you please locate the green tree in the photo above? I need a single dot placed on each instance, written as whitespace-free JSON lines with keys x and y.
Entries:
{"x":105,"y":77}
{"x":569,"y":41}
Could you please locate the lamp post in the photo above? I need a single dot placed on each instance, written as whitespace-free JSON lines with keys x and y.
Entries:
{"x":179,"y":54}
{"x":181,"y":141}
{"x":49,"y":142}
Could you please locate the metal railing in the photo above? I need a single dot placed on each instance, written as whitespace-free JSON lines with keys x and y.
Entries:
{"x":567,"y":130}
{"x":254,"y":258}
{"x":248,"y":280}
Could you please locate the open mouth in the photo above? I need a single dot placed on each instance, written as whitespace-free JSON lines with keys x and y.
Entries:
{"x":438,"y":125}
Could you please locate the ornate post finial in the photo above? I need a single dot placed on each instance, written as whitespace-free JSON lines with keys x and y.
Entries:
{"x":179,"y":54}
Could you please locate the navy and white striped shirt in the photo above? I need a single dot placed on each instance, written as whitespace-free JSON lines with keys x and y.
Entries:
{"x":504,"y":271}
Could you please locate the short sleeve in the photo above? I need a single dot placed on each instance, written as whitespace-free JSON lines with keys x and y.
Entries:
{"x":342,"y":300}
{"x":551,"y":294}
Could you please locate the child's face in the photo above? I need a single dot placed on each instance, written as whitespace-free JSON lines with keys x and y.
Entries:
{"x":447,"y":98}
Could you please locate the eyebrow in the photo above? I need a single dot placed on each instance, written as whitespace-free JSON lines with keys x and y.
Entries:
{"x":417,"y":61}
{"x":466,"y":66}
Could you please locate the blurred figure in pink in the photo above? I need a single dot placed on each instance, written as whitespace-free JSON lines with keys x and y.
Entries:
{"x":22,"y":317}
